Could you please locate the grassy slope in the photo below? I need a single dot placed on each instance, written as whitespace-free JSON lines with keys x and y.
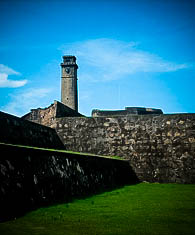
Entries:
{"x":62,"y":151}
{"x":138,"y":209}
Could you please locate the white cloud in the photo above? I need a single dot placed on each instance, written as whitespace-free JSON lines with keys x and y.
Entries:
{"x":25,"y":100}
{"x":7,"y":70}
{"x":113,"y":59}
{"x":5,"y":82}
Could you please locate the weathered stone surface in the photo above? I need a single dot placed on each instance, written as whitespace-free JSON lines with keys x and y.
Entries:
{"x":32,"y":178}
{"x":48,"y":115}
{"x":14,"y":130}
{"x":160,"y":148}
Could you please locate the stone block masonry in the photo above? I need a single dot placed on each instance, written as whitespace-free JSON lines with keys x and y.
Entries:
{"x":14,"y":130}
{"x":159,"y":148}
{"x":32,"y":178}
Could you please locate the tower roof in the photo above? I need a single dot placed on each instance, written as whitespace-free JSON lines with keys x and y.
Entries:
{"x":69,"y":59}
{"x":69,"y":56}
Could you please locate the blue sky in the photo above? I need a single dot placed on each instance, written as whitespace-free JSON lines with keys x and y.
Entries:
{"x":129,"y":53}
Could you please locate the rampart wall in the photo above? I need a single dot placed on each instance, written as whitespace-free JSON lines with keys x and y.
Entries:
{"x":160,"y":148}
{"x":32,"y":178}
{"x":15,"y":130}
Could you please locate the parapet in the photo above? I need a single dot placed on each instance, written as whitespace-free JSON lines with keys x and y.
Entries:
{"x":126,"y":112}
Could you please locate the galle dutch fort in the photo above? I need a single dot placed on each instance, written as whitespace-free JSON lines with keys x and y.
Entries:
{"x":150,"y":146}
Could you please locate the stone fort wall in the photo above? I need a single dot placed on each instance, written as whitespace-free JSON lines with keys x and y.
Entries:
{"x":160,"y":148}
{"x":32,"y":178}
{"x":14,"y":130}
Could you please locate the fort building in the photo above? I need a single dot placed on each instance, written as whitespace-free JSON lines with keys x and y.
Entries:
{"x":46,"y":116}
{"x":159,"y":147}
{"x":68,"y":107}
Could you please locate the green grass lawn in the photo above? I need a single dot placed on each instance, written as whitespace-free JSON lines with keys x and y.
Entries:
{"x":138,"y":209}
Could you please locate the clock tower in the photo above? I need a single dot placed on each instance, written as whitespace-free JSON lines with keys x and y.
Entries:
{"x":69,"y":92}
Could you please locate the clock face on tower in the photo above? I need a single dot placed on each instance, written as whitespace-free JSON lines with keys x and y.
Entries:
{"x":67,"y":70}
